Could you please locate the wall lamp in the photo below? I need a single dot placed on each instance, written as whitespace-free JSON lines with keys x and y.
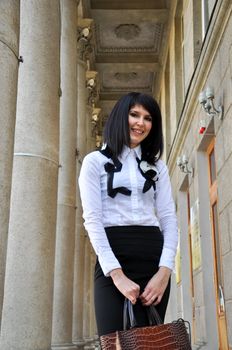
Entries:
{"x":182,"y":163}
{"x":206,"y":99}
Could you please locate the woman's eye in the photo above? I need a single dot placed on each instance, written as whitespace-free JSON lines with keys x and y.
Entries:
{"x":133,"y":114}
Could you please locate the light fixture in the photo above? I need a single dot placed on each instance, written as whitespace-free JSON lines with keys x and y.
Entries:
{"x":182,"y":163}
{"x":206,"y":99}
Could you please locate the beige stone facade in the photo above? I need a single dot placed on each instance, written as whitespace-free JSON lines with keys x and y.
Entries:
{"x":201,"y":290}
{"x":77,"y":59}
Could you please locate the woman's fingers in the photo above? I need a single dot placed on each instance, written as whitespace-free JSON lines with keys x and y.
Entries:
{"x":153,"y":299}
{"x":154,"y":296}
{"x":133,"y":293}
{"x":155,"y":288}
{"x":127,"y":287}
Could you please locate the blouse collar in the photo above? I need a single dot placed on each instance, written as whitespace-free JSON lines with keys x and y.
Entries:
{"x":126,"y":150}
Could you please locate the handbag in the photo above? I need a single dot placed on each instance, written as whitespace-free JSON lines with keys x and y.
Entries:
{"x":158,"y":336}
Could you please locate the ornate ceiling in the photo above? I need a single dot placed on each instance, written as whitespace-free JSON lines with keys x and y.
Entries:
{"x":130,"y":45}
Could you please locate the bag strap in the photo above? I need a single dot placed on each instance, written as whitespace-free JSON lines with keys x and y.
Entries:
{"x":129,"y":320}
{"x":128,"y":315}
{"x":153,"y":316}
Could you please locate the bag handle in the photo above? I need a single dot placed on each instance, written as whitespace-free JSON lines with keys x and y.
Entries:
{"x":129,"y":320}
{"x":153,"y":316}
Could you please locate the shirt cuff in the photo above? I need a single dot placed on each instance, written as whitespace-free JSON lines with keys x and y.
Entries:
{"x":108,"y":263}
{"x":167,"y":258}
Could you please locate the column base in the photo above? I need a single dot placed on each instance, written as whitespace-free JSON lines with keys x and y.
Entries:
{"x":91,"y":347}
{"x":79,"y":344}
{"x":86,"y":344}
{"x":64,"y":347}
{"x":91,"y":344}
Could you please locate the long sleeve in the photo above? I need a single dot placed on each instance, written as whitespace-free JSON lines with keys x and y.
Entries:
{"x":90,"y":191}
{"x":166,"y":213}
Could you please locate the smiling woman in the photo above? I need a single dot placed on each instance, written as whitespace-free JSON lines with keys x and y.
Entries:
{"x":121,"y":186}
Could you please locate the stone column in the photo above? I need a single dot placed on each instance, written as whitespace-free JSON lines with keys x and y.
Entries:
{"x":80,"y":233}
{"x":84,"y":48}
{"x":28,"y":294}
{"x":87,"y":292}
{"x":89,"y":112}
{"x":66,"y":211}
{"x":9,"y":51}
{"x":93,"y":331}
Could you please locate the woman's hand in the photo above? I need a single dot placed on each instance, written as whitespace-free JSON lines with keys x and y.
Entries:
{"x":155,"y":288}
{"x":126,"y":286}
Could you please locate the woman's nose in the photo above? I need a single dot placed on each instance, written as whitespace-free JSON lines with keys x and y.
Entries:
{"x":140,"y":121}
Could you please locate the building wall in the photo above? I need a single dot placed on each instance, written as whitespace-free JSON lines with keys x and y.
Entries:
{"x":206,"y":61}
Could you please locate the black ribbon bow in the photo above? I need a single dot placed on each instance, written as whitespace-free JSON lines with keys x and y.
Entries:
{"x":111,"y":169}
{"x":115,"y":167}
{"x":150,"y":176}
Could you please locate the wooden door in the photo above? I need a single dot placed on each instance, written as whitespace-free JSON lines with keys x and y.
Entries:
{"x":218,"y":277}
{"x":191,"y":270}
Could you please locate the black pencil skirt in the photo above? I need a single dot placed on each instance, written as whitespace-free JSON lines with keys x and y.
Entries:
{"x":138,"y":249}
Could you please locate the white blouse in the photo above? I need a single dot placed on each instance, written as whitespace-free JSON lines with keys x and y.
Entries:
{"x":152,"y":208}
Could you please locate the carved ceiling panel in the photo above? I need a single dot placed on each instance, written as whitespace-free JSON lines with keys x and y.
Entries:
{"x":126,"y":81}
{"x":128,"y":37}
{"x":130,"y":45}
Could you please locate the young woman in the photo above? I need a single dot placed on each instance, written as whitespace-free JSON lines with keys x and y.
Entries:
{"x":129,"y":213}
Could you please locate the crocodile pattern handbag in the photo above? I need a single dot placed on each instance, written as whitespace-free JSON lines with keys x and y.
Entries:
{"x":169,"y":336}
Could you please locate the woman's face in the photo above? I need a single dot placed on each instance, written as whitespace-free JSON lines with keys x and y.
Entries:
{"x":140,"y":123}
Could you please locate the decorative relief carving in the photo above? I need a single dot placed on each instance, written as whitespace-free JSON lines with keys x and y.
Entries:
{"x":92,"y":85}
{"x":98,"y":141}
{"x":125,"y":77}
{"x":92,"y":95}
{"x":84,"y":47}
{"x":146,"y":89}
{"x":127,"y":81}
{"x":148,"y":46}
{"x":127,"y":31}
{"x":96,"y":122}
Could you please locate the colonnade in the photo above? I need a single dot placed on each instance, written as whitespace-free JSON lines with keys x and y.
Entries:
{"x":46,"y":262}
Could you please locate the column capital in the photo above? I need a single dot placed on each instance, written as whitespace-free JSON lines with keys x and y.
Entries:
{"x":96,"y":124}
{"x":85,"y":38}
{"x":93,"y":88}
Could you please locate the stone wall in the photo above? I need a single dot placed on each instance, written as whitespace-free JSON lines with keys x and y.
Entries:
{"x":196,"y":297}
